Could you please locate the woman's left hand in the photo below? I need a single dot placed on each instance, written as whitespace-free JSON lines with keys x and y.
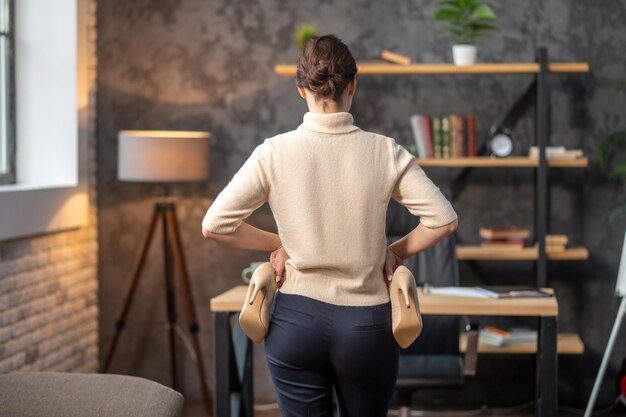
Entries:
{"x":278,"y":258}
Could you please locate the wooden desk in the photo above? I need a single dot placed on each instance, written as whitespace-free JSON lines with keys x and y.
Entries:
{"x":233,"y":350}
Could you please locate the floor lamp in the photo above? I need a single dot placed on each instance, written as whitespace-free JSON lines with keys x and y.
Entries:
{"x":164,"y":157}
{"x":620,"y":291}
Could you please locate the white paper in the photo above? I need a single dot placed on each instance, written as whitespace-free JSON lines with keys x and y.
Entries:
{"x":457,"y":291}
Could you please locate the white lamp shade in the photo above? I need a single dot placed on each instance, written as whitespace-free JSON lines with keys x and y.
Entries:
{"x":163,"y":156}
{"x":620,"y":289}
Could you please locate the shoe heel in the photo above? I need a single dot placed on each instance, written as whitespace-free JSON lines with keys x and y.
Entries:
{"x":254,"y":316}
{"x":406,"y":317}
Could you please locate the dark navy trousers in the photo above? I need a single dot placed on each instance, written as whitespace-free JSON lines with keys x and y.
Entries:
{"x":313,"y":346}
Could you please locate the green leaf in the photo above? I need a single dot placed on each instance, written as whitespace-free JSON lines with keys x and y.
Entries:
{"x":622,"y":86}
{"x":617,"y":211}
{"x":467,"y":4}
{"x":608,"y":143}
{"x":618,"y":171}
{"x":446,"y":14}
{"x":483,"y":12}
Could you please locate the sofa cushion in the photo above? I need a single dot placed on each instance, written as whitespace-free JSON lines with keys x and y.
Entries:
{"x":52,"y":394}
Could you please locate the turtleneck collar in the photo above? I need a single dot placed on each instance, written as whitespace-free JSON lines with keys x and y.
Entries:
{"x":333,"y":123}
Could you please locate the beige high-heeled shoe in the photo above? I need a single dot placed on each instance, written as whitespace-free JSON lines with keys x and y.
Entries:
{"x":405,"y":313}
{"x":254,"y":316}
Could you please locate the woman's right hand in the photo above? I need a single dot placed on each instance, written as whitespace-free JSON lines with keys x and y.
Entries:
{"x":392,"y":261}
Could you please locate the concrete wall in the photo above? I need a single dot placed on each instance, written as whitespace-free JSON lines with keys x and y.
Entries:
{"x":193,"y":64}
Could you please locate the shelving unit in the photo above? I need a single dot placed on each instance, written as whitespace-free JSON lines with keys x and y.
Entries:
{"x":383,"y":68}
{"x":567,"y":344}
{"x":491,"y":162}
{"x":478,"y":253}
{"x":541,"y":69}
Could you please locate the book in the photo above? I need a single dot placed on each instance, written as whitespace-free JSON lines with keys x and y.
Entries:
{"x":512,"y":291}
{"x":427,"y":136}
{"x":503,"y":233}
{"x":556,"y":152}
{"x":395,"y":57}
{"x":453,"y":133}
{"x":556,"y":240}
{"x":436,"y":134}
{"x":494,"y":336}
{"x":555,"y":248}
{"x":418,"y":135}
{"x":471,"y":136}
{"x":460,"y":137}
{"x":445,"y":137}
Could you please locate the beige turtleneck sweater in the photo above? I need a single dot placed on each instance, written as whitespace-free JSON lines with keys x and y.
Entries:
{"x":328,"y":184}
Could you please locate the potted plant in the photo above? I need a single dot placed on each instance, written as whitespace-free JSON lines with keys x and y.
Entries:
{"x":616,"y":168}
{"x":466,"y":20}
{"x":303,"y":33}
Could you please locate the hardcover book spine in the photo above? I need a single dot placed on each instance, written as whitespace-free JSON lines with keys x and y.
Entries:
{"x":471,"y":136}
{"x":437,"y":136}
{"x":460,"y":132}
{"x":445,"y":137}
{"x":418,"y":135}
{"x":428,"y":136}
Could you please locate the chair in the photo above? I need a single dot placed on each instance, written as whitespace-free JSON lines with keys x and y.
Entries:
{"x":60,"y":394}
{"x":433,"y":361}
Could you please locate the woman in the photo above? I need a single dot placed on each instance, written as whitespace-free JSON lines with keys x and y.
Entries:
{"x":328,"y":184}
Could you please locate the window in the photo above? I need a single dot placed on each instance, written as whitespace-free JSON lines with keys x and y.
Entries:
{"x":7,"y":131}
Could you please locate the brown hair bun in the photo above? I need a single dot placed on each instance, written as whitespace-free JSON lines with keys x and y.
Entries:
{"x":325,"y":67}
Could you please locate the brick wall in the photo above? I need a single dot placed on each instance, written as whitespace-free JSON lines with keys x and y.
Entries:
{"x":48,"y":283}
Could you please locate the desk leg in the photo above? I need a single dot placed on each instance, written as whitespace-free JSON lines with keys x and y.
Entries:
{"x":232,"y":366}
{"x":222,"y":363}
{"x":243,"y":360}
{"x":547,"y":376}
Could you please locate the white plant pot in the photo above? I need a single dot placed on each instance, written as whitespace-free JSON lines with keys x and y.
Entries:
{"x":464,"y":54}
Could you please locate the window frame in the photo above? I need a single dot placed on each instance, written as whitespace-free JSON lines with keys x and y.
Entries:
{"x":9,"y":177}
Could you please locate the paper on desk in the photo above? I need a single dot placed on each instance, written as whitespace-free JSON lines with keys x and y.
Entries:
{"x":457,"y":291}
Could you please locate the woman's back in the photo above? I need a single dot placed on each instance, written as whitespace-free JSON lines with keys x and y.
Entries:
{"x":328,"y":184}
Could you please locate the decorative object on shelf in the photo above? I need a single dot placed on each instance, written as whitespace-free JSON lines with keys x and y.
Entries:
{"x":620,"y":291}
{"x":303,"y":33}
{"x":556,"y":152}
{"x":164,"y":157}
{"x":395,"y":57}
{"x":500,"y":141}
{"x":466,"y":20}
{"x":617,"y":169}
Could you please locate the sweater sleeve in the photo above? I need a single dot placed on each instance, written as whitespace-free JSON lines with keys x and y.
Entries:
{"x":246,"y":192}
{"x":414,"y":190}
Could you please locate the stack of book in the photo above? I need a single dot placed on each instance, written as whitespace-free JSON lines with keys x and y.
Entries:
{"x":556,"y":243}
{"x":503,"y":238}
{"x":494,"y":336}
{"x":450,"y":136}
{"x":556,"y":152}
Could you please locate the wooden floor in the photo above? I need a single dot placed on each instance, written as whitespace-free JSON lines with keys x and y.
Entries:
{"x":195,"y":409}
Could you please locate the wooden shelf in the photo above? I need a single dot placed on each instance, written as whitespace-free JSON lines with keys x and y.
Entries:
{"x":478,"y":253}
{"x":492,"y":162}
{"x":567,"y":343}
{"x":380,"y":68}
